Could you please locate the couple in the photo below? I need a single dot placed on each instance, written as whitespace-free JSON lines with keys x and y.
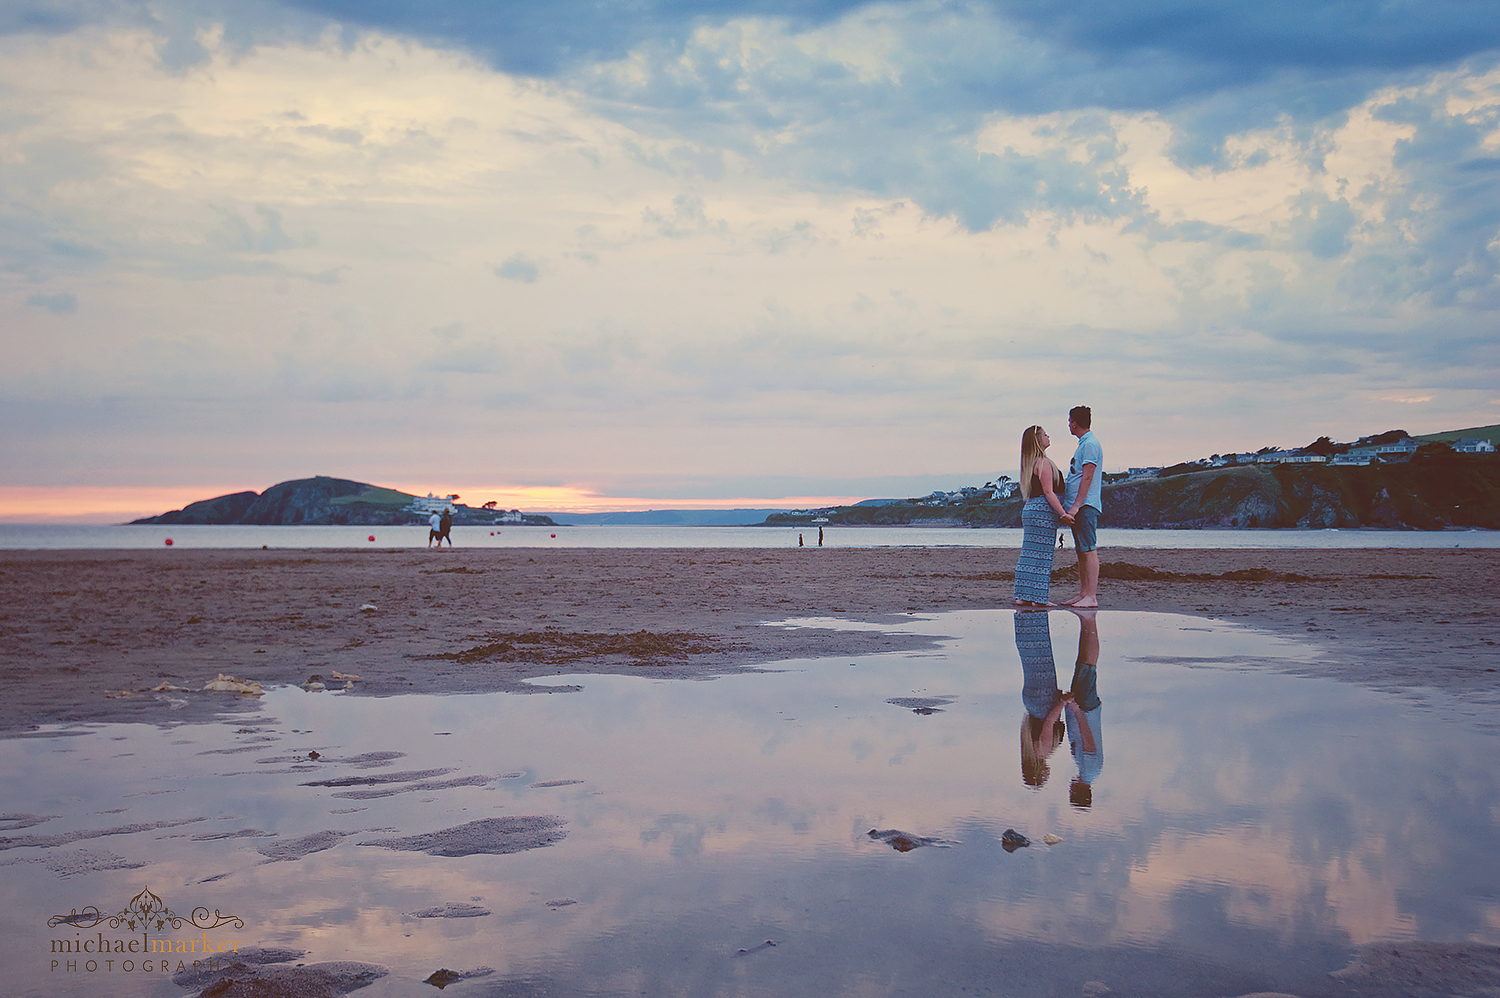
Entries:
{"x":1078,"y":507}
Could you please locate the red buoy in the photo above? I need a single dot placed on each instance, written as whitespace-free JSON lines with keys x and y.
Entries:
{"x":372,"y":537}
{"x":169,"y":540}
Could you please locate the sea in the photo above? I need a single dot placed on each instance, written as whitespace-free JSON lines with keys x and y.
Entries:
{"x":51,"y":537}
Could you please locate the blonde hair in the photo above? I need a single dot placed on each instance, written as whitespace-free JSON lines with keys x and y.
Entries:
{"x":1031,"y":449}
{"x":1034,"y":768}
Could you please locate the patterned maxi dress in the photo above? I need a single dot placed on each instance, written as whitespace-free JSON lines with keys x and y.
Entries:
{"x":1034,"y":567}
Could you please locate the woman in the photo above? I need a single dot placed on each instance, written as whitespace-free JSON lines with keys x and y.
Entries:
{"x":1040,"y":515}
{"x":1042,"y":726}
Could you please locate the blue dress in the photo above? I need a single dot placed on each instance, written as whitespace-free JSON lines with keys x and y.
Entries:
{"x":1034,"y":566}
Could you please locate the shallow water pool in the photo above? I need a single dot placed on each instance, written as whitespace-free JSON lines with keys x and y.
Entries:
{"x":1219,"y":827}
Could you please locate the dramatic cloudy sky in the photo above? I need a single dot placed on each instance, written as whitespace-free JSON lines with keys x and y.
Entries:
{"x":573,"y":254}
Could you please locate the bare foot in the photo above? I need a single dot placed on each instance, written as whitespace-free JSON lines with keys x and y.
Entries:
{"x":1086,"y":612}
{"x":1092,"y":603}
{"x":1070,"y":602}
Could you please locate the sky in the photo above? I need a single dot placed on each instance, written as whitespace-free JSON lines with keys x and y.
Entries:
{"x":624,"y":255}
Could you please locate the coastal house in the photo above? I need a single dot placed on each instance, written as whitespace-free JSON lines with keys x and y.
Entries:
{"x":1389,"y":452}
{"x":431,"y":504}
{"x":1473,"y":445}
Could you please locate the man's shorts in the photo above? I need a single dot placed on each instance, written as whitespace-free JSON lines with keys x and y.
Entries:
{"x":1086,"y":529}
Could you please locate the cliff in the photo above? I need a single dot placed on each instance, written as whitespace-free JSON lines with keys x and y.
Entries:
{"x":1455,"y":490}
{"x":319,"y":501}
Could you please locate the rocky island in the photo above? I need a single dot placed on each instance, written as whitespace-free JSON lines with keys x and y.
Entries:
{"x":321,"y":501}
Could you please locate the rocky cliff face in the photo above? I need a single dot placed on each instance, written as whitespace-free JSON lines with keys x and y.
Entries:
{"x":1452,"y":491}
{"x":320,"y":501}
{"x":305,"y":500}
{"x":1427,"y":495}
{"x":224,"y":509}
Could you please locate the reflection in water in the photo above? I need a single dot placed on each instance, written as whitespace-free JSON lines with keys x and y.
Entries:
{"x":1085,"y":711}
{"x":1041,"y":725}
{"x":704,"y":818}
{"x":1051,"y":711}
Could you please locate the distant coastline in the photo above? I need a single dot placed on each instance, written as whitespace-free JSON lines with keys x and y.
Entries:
{"x":1428,"y":486}
{"x":1443,"y":491}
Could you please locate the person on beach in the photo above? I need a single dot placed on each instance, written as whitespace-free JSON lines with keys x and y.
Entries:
{"x":1042,"y":730}
{"x":1040,"y":482}
{"x":434,"y":529}
{"x":1085,"y":712}
{"x":445,"y":528}
{"x":1084,"y":498}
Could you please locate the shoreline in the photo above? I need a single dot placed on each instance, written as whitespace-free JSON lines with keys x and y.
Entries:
{"x":81,"y":624}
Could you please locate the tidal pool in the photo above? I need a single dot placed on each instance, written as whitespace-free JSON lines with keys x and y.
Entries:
{"x":1218,"y":826}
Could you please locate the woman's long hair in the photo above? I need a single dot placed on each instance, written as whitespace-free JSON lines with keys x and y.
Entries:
{"x":1034,"y":768}
{"x":1031,"y":449}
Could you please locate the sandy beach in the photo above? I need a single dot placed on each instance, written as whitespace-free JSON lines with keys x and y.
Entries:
{"x":86,"y":635}
{"x":96,"y":636}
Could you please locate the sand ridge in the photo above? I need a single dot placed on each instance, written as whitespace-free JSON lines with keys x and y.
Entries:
{"x":78,"y":625}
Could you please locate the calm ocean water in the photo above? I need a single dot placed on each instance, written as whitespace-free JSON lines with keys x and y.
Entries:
{"x":54,"y":537}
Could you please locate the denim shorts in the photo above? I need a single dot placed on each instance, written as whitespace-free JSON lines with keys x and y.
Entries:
{"x":1086,"y":529}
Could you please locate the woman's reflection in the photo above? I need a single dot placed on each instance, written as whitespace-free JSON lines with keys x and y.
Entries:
{"x":1041,"y":725}
{"x":1084,"y":710}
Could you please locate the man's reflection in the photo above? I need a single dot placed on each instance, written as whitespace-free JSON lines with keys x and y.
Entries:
{"x":1084,"y":711}
{"x":1041,"y":726}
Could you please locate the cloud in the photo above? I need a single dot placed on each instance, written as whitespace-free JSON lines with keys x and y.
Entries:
{"x":520,"y":268}
{"x":857,"y":242}
{"x":235,"y":235}
{"x":59,"y":303}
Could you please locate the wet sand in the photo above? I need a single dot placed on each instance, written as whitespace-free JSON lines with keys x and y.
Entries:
{"x":87,"y":635}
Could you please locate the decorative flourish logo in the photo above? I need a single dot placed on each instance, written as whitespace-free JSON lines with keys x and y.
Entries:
{"x":144,"y":910}
{"x":139,"y":952}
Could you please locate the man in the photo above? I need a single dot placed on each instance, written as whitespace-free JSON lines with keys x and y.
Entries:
{"x":1084,"y":499}
{"x":434,"y":529}
{"x":1084,"y":713}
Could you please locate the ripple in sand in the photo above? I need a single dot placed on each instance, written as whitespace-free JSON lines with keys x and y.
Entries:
{"x":922,"y":705}
{"x":266,"y":972}
{"x":453,"y":909}
{"x":65,"y":838}
{"x":291,"y":849}
{"x":489,"y":836}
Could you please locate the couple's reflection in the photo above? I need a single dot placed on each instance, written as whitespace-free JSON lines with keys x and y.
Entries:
{"x":1053,"y":714}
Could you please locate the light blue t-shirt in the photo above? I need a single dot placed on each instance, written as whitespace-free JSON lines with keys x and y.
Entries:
{"x":1088,"y":452}
{"x":1090,"y":764}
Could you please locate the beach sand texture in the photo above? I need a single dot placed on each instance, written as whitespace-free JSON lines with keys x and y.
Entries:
{"x":86,"y":635}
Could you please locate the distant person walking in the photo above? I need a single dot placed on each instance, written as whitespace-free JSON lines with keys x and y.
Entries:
{"x":820,"y":537}
{"x":445,"y":528}
{"x":435,"y":529}
{"x":1040,"y":484}
{"x":1085,"y":501}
